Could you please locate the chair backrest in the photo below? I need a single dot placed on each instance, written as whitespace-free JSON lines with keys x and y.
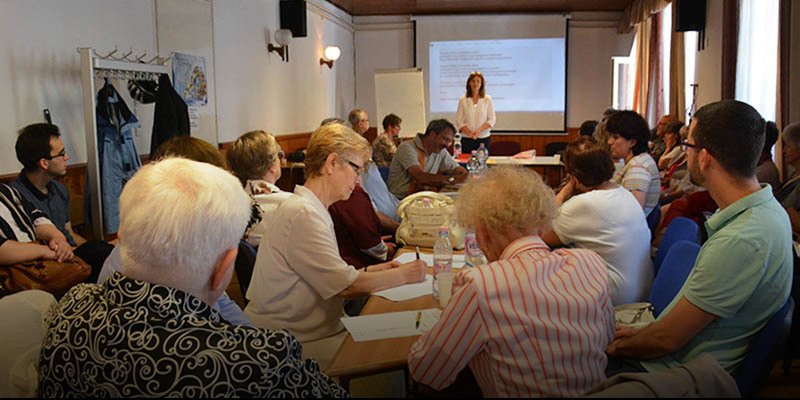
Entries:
{"x":653,"y":219}
{"x":680,"y":228}
{"x":554,"y":148}
{"x":770,"y":344}
{"x":670,"y":278}
{"x":505,"y":148}
{"x":245,"y":260}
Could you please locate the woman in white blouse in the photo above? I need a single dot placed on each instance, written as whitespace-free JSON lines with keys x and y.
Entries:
{"x":475,"y":117}
{"x":299,"y":280}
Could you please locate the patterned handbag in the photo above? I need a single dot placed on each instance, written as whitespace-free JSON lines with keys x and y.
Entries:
{"x":48,"y":275}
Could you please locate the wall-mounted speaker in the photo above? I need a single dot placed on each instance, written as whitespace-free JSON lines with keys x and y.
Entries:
{"x":293,"y":17}
{"x":690,"y":15}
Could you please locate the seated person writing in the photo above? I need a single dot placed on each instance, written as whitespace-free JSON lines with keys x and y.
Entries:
{"x":531,"y":323}
{"x":743,"y":273}
{"x":299,"y":280}
{"x":150,"y":331}
{"x":598,"y":215}
{"x":424,"y":163}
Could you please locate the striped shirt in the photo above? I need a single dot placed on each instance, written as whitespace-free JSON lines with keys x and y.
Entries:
{"x":18,"y":217}
{"x":534,"y":323}
{"x":641,"y":174}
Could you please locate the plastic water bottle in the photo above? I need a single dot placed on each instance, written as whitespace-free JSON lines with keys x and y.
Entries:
{"x":442,"y":257}
{"x":457,"y":145}
{"x":474,"y":166}
{"x":473,"y":256}
{"x":483,"y":155}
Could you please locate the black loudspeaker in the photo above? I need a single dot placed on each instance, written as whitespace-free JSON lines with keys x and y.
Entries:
{"x":293,"y":17}
{"x":690,"y":15}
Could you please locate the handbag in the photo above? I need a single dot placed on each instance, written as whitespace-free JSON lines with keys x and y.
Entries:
{"x":48,"y":275}
{"x":421,"y":221}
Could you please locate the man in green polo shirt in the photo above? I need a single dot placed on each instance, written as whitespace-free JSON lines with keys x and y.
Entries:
{"x":743,"y":273}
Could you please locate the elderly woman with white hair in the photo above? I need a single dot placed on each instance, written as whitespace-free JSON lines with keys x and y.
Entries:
{"x":299,"y":280}
{"x":531,"y":323}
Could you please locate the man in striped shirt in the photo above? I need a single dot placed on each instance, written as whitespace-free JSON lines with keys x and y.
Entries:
{"x":532,"y":322}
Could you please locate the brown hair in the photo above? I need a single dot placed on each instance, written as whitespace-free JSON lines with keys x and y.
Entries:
{"x":191,"y":148}
{"x":588,"y":162}
{"x":482,"y":91}
{"x":252,"y":155}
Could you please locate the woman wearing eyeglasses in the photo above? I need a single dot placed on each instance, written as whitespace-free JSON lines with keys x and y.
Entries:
{"x":475,"y":117}
{"x":255,"y":158}
{"x":299,"y":280}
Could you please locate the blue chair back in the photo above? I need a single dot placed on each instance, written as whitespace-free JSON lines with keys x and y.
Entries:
{"x":245,"y":261}
{"x":770,"y":344}
{"x":670,"y":278}
{"x":653,"y":219}
{"x":384,"y":170}
{"x":679,"y":229}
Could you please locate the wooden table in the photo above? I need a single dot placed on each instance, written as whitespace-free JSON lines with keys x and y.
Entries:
{"x":356,"y":359}
{"x":546,"y":162}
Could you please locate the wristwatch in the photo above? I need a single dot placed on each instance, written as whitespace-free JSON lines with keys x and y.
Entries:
{"x":451,"y":179}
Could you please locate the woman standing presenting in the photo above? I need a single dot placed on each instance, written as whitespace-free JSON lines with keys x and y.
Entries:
{"x":475,"y":116}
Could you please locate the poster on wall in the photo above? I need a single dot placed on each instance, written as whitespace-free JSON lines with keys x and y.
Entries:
{"x":189,"y":78}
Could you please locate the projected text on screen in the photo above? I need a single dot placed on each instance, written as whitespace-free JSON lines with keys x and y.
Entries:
{"x":523,"y":75}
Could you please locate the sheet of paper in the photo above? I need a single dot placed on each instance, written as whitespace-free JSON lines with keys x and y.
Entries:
{"x":458,"y":259}
{"x":390,"y":325}
{"x":408,"y":291}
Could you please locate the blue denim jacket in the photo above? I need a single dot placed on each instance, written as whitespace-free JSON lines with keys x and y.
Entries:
{"x":383,"y":200}
{"x":117,"y":153}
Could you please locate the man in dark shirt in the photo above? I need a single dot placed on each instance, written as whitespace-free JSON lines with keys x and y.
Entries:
{"x":44,"y":159}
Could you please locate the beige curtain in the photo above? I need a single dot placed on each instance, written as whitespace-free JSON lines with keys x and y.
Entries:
{"x":646,"y":95}
{"x":638,"y":12}
{"x":677,"y":73}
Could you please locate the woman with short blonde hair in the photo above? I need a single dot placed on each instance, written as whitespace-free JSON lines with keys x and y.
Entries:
{"x":299,"y":280}
{"x":255,"y":155}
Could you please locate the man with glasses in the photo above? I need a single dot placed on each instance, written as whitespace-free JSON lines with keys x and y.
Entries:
{"x":424,"y":163}
{"x":44,"y":159}
{"x":743,"y":272}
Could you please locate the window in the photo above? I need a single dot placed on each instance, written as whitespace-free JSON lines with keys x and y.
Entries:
{"x":757,"y":55}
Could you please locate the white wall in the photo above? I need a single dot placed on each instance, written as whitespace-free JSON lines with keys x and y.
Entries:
{"x":40,"y":65}
{"x":388,"y":43}
{"x":256,"y":90}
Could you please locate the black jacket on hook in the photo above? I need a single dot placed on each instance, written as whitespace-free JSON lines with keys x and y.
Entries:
{"x":171,"y":117}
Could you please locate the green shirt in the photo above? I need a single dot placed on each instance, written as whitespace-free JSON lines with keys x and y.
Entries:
{"x":742,"y":275}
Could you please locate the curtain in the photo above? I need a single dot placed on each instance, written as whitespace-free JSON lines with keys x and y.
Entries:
{"x":677,"y":73}
{"x":757,"y":60}
{"x":638,"y":12}
{"x":647,"y":83}
{"x":784,"y":64}
{"x":730,"y":43}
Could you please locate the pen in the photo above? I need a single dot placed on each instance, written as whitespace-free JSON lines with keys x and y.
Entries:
{"x":419,"y":315}
{"x":417,"y":252}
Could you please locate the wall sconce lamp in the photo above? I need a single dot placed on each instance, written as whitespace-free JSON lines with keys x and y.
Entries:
{"x":283,"y":37}
{"x":332,"y":54}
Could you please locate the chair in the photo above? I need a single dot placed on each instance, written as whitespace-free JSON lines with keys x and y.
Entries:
{"x":771,"y":342}
{"x":554,"y":148}
{"x":384,"y":170}
{"x":677,"y":265}
{"x":245,"y":260}
{"x":505,"y":148}
{"x":679,"y":229}
{"x":653,"y":219}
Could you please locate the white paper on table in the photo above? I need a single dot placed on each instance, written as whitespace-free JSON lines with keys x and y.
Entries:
{"x":458,"y":259}
{"x":390,"y":325}
{"x":408,"y":291}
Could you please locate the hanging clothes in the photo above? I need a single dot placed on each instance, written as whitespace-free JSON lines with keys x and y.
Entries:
{"x":171,"y":116}
{"x":117,"y":153}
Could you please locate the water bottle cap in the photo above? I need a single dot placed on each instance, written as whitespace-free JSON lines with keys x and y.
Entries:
{"x":482,"y":145}
{"x":443,"y":229}
{"x":475,"y":151}
{"x":426,"y":200}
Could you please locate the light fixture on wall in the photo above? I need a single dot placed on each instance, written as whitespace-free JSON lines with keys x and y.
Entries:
{"x":332,"y":54}
{"x":283,"y":37}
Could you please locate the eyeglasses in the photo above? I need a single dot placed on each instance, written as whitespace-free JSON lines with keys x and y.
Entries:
{"x":359,"y":170}
{"x":685,"y":143}
{"x":62,"y":153}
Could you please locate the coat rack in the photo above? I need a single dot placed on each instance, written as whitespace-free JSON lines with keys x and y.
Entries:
{"x":94,"y":65}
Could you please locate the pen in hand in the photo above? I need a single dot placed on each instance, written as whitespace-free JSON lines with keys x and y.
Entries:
{"x":417,"y":252}
{"x":419,"y":315}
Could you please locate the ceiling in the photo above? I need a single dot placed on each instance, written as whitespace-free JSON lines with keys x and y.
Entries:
{"x":406,"y":7}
